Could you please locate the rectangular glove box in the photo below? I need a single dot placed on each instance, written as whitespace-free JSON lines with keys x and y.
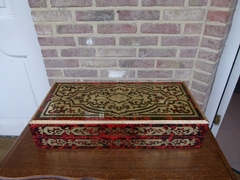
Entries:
{"x":119,"y":115}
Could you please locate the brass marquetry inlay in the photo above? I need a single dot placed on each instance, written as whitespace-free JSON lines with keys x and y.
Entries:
{"x":118,"y":143}
{"x":138,"y":131}
{"x":153,"y":101}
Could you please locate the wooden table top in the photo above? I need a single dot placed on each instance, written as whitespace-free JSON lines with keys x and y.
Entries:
{"x":24,"y":159}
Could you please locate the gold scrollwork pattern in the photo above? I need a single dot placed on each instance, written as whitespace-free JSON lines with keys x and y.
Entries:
{"x":95,"y":131}
{"x":119,"y":100}
{"x":117,"y":143}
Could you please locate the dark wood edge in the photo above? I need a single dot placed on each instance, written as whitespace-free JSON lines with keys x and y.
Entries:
{"x":13,"y":147}
{"x":47,"y":177}
{"x":213,"y":140}
{"x":221,"y":155}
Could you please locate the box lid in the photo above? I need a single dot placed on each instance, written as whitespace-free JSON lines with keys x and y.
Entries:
{"x":119,"y":103}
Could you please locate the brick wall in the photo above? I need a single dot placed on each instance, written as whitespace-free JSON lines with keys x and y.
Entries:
{"x":133,"y":40}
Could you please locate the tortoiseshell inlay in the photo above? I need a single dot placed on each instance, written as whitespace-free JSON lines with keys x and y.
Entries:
{"x":119,"y":101}
{"x":119,"y":115}
{"x":119,"y":143}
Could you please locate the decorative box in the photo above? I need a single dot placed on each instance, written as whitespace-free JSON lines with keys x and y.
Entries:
{"x":119,"y":115}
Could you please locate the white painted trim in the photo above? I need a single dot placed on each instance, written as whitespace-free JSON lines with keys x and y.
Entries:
{"x":12,"y":127}
{"x":228,"y":93}
{"x":225,"y":66}
{"x":19,"y":43}
{"x":5,"y":8}
{"x":2,"y":4}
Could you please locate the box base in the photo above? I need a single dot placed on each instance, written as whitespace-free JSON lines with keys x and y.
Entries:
{"x":118,"y":136}
{"x":117,"y":142}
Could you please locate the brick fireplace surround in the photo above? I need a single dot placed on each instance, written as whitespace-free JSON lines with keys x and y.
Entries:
{"x":133,"y":40}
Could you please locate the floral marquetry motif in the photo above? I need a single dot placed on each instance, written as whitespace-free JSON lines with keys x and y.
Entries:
{"x":95,"y":131}
{"x":119,"y":115}
{"x":119,"y":100}
{"x":119,"y":143}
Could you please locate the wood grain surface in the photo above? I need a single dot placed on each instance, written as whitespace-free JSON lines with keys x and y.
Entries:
{"x":207,"y":163}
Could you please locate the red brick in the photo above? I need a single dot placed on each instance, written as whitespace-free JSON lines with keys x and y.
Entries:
{"x":136,"y":63}
{"x":43,"y":29}
{"x":138,"y":41}
{"x":56,"y":41}
{"x":188,"y":53}
{"x":116,"y":52}
{"x":197,"y":2}
{"x":214,"y":30}
{"x":96,"y":41}
{"x":187,"y":82}
{"x":163,"y":2}
{"x":51,"y":16}
{"x":183,"y":73}
{"x":191,"y":28}
{"x":37,"y":3}
{"x":183,"y":15}
{"x":52,"y":81}
{"x":49,"y":53}
{"x":116,"y":28}
{"x":212,"y":56}
{"x":103,"y":3}
{"x":60,"y":63}
{"x":99,"y":80}
{"x":198,"y":96}
{"x":155,"y":74}
{"x":206,"y":78}
{"x":203,"y":105}
{"x":54,"y":73}
{"x":218,"y":16}
{"x":71,"y":3}
{"x":221,"y":3}
{"x":212,"y":43}
{"x":99,"y":15}
{"x":74,"y":29}
{"x":157,"y":52}
{"x":78,"y":52}
{"x":138,"y":15}
{"x":174,"y":64}
{"x":80,"y":73}
{"x":202,"y":87}
{"x":180,"y":41}
{"x":234,"y":3}
{"x":98,"y":63}
{"x":117,"y":74}
{"x":231,"y":14}
{"x":160,"y":28}
{"x":207,"y":67}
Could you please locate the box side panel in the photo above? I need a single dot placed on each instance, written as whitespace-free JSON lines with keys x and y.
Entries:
{"x":120,"y":142}
{"x":65,"y":130}
{"x":118,"y":136}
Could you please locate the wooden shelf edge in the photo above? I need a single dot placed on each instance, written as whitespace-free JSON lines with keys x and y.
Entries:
{"x":221,"y":155}
{"x":13,"y":147}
